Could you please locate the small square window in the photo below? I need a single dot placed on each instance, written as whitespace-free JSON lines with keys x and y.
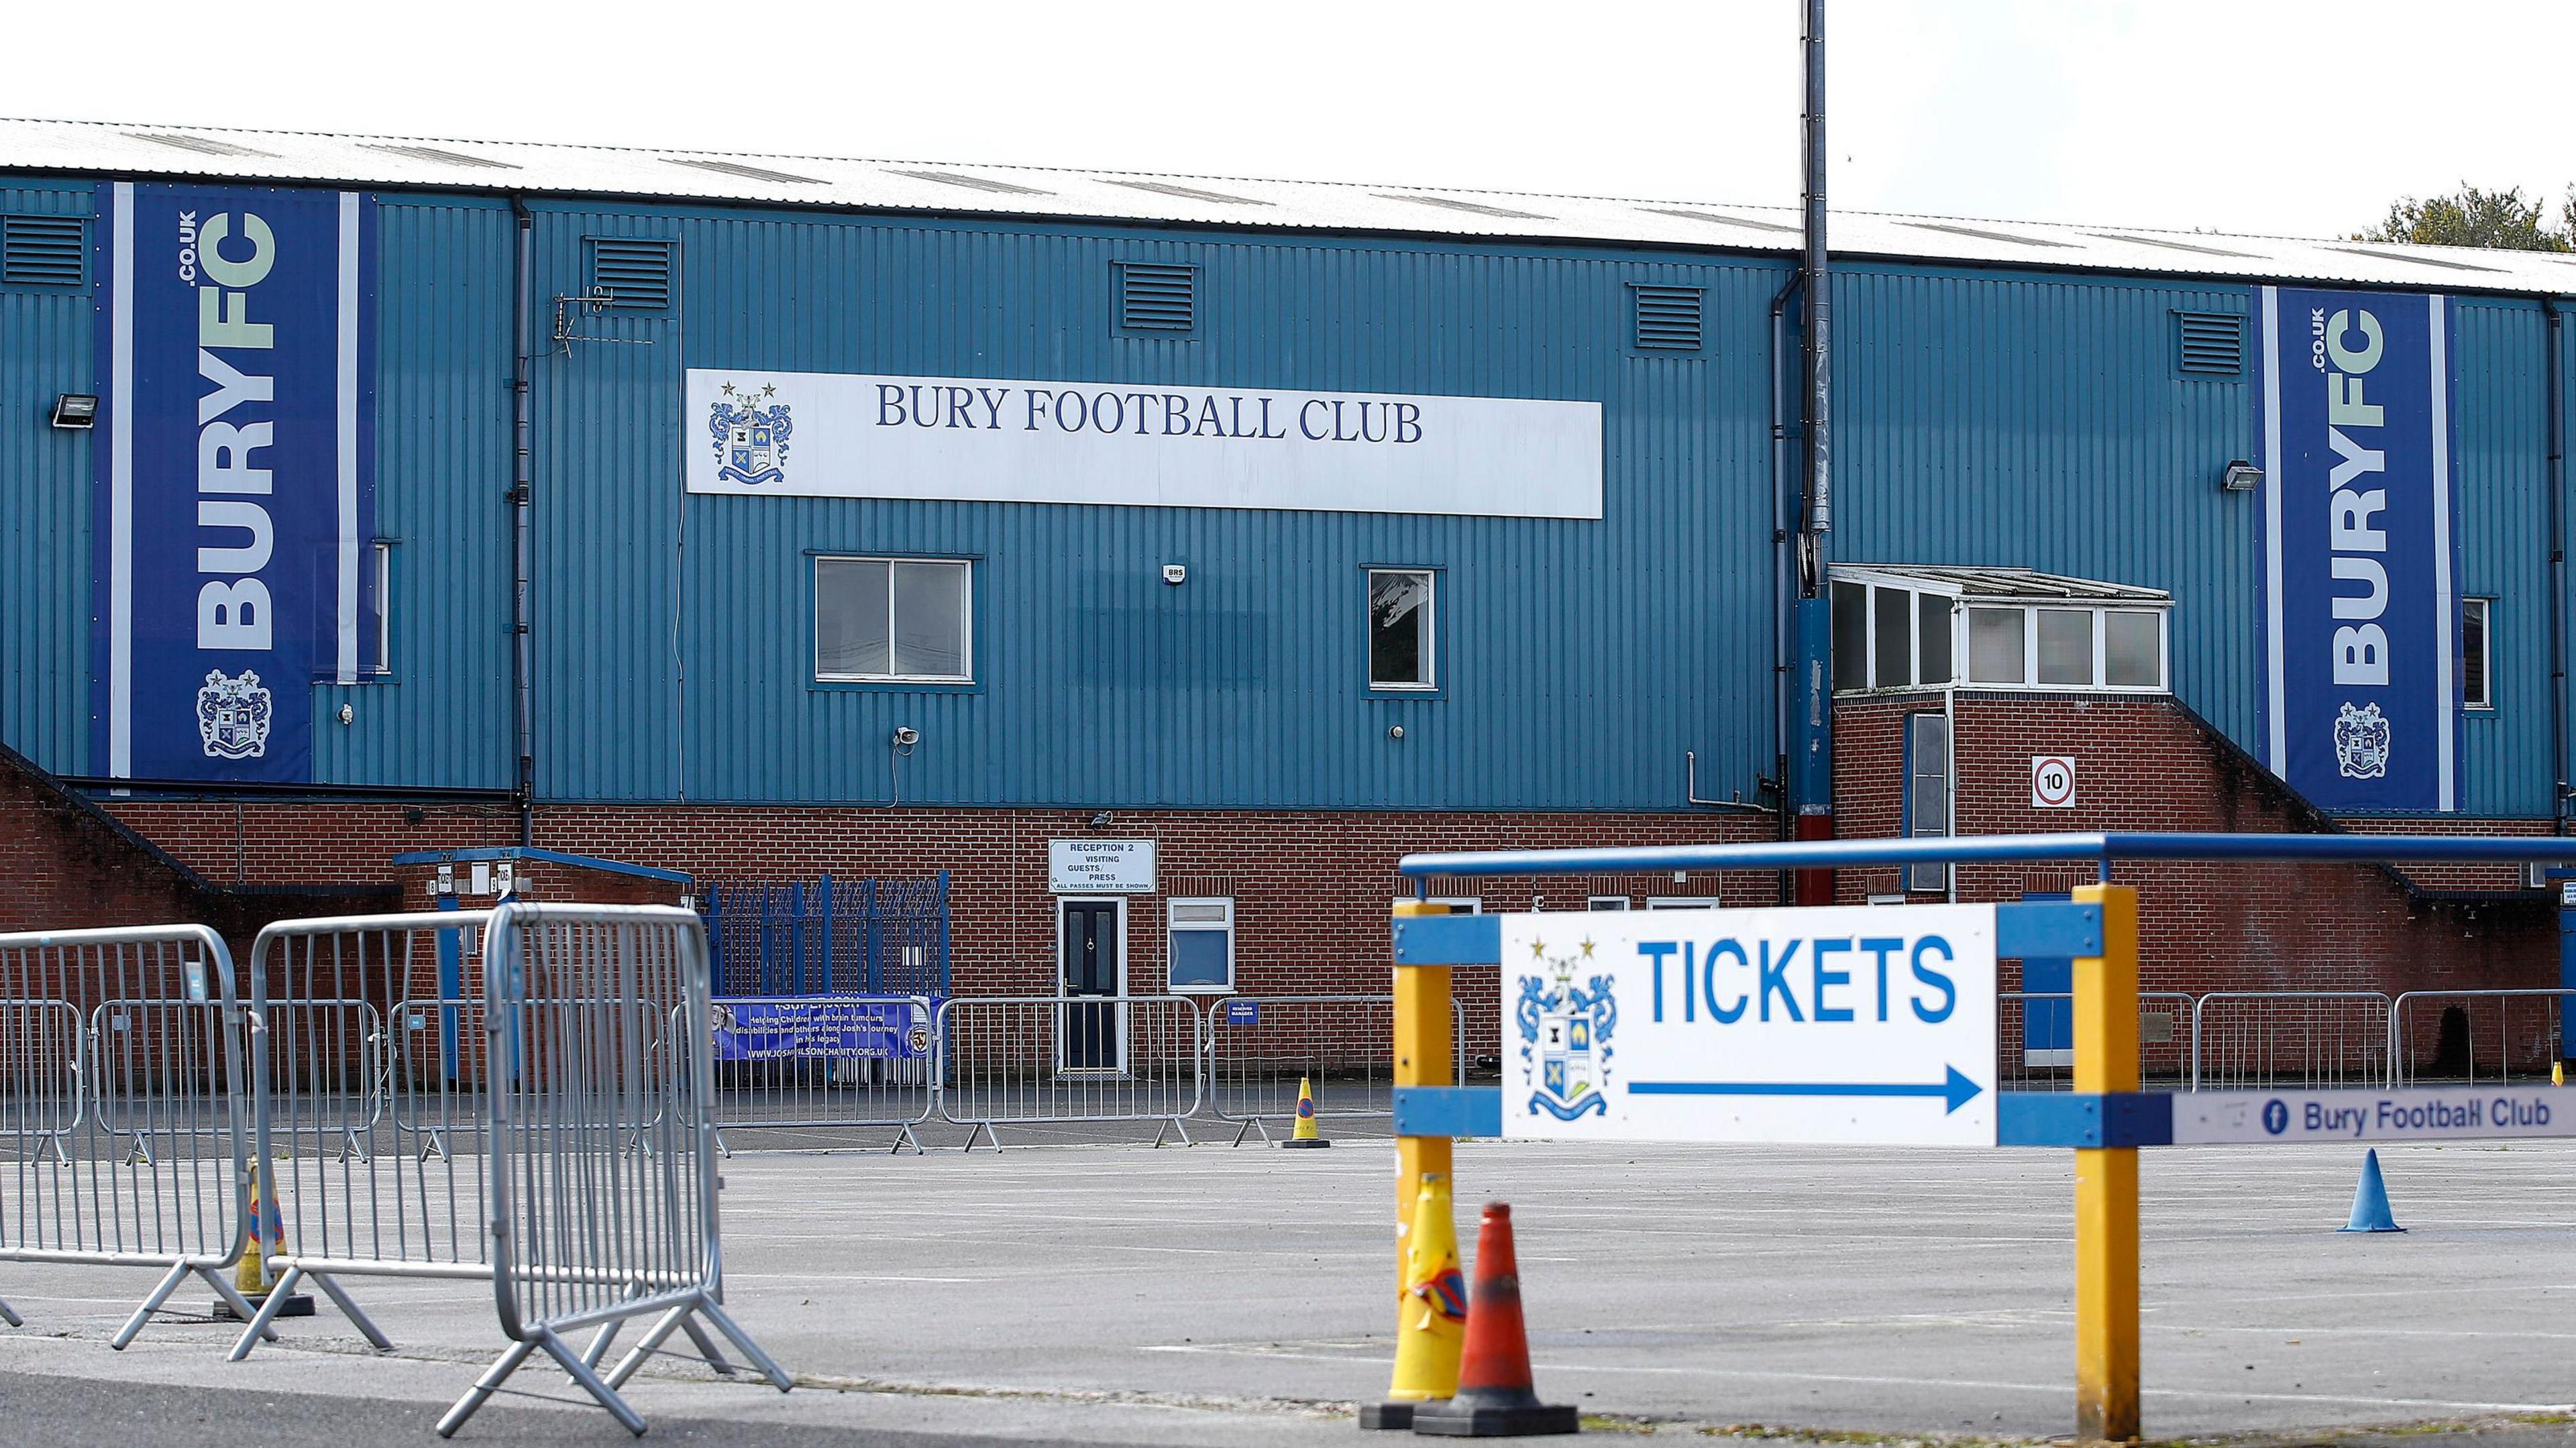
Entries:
{"x":1995,"y":646}
{"x":2066,"y":646}
{"x":1400,"y":629}
{"x":1202,"y":944}
{"x":904,"y":620}
{"x":1893,"y":612}
{"x":2132,"y":649}
{"x":2477,"y":645}
{"x":1605,"y":902}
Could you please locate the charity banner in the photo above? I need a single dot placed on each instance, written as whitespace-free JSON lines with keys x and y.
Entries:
{"x":836,"y":1028}
{"x":235,"y":495}
{"x":2360,"y":531}
{"x":982,"y":439}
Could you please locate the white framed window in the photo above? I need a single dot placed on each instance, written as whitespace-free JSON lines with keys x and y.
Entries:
{"x":1402,"y":641}
{"x":2477,"y":653}
{"x":2103,"y":649}
{"x":1681,"y":902}
{"x":894,"y":620}
{"x":1927,"y":793}
{"x":1605,"y":902}
{"x":1202,"y":943}
{"x":380,"y":564}
{"x":1887,"y":637}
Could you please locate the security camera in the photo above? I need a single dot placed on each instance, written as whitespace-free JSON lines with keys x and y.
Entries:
{"x":905,"y":736}
{"x":1176,"y":573}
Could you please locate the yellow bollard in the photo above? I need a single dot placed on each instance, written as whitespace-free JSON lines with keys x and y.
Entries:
{"x":1423,"y":1050}
{"x":1306,"y":1134}
{"x":2106,"y":1180}
{"x":1431,"y":1316}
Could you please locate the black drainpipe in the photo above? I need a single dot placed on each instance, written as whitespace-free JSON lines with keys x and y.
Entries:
{"x":1784,"y":570}
{"x":2555,"y":371}
{"x":522,"y":450}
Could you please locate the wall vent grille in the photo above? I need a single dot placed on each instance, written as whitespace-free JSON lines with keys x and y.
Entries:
{"x":1668,"y":318}
{"x":1157,"y":298}
{"x":2209,"y":344}
{"x":634,"y":274}
{"x":44,"y":251}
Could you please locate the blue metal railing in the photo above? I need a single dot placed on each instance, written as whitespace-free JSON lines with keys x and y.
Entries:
{"x":829,"y":937}
{"x":2102,"y":848}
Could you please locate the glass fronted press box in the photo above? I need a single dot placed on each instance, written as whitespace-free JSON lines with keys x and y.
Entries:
{"x":1995,"y":628}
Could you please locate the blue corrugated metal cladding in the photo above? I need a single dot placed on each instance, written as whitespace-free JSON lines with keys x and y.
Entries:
{"x":1984,"y":417}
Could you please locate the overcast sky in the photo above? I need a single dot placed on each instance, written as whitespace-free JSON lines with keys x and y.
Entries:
{"x":2300,"y":117}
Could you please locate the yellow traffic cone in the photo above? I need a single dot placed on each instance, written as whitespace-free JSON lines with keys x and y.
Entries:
{"x":1306,"y":1134}
{"x":266,"y":1239}
{"x":2557,"y":1073}
{"x":1430,"y":1316}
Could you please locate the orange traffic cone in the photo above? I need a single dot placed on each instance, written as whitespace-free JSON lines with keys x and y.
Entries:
{"x":1495,"y":1398}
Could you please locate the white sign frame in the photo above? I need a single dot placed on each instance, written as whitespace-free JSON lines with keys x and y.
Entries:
{"x":1100,"y":867}
{"x":1878,"y":1054}
{"x":2046,"y":798}
{"x":1016,"y":440}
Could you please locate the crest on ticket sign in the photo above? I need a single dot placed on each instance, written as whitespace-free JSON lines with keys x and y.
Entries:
{"x":1565,"y":1036}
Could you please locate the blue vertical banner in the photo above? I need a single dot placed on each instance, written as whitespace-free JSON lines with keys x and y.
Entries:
{"x":2360,"y":532}
{"x":235,"y":495}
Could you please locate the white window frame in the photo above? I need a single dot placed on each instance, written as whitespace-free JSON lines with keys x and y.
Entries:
{"x":381,"y":563}
{"x":1430,"y":681}
{"x":2101,"y":662}
{"x":1174,"y":927}
{"x":1606,"y":902}
{"x":1681,"y":902}
{"x":965,"y":621}
{"x":2485,"y":606}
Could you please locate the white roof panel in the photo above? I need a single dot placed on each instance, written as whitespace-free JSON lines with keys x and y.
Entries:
{"x":94,"y":148}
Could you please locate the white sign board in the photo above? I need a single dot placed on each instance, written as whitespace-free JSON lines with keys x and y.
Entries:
{"x":1861,"y":1024}
{"x":2461,"y":1113}
{"x":983,"y":439}
{"x":1100,"y":867}
{"x":2052,"y":781}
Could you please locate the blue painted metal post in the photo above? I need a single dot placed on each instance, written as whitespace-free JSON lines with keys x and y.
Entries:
{"x":768,"y":940}
{"x":796,"y":933}
{"x":943,"y":932}
{"x":874,"y":944}
{"x":831,"y":946}
{"x":451,"y":986}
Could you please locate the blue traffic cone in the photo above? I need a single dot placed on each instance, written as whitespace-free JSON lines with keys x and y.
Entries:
{"x":2370,"y":1200}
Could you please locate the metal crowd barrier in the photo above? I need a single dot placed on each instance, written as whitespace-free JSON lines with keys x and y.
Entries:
{"x":2313,"y":1040}
{"x":2034,"y":1039}
{"x":826,"y":1061}
{"x":1022,"y":1060}
{"x":349,"y":1012}
{"x":602,"y":1138}
{"x":1259,"y":1048}
{"x":121,"y":1114}
{"x":2495,"y":1035}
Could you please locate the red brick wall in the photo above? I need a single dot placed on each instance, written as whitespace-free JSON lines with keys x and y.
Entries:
{"x":1311,"y":890}
{"x":2144,"y":764}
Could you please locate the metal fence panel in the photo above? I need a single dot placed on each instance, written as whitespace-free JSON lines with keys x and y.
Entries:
{"x":833,"y":1061}
{"x":2313,"y":1040}
{"x":829,"y":937}
{"x":1025,"y":1059}
{"x":2474,"y":1035}
{"x":602,"y":1136}
{"x":367,"y":1084}
{"x":121,"y":1112}
{"x":1259,"y":1048}
{"x":2035,"y":1039}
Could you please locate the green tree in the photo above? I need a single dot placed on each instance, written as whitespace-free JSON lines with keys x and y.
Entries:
{"x":2473,"y":216}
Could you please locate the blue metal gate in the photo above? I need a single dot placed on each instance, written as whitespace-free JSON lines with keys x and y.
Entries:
{"x":830,"y":937}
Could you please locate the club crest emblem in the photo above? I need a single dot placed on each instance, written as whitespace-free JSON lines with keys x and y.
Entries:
{"x":233,"y":715}
{"x":750,"y":440}
{"x":2361,"y":743}
{"x":1565,"y":1037}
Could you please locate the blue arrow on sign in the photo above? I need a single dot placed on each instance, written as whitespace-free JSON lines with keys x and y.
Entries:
{"x":1957,"y":1091}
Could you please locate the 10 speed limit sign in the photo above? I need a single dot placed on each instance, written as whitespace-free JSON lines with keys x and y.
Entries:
{"x":2052,"y":781}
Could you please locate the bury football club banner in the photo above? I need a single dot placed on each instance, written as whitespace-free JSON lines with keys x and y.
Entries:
{"x":849,"y":435}
{"x":235,"y":489}
{"x":2360,"y":524}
